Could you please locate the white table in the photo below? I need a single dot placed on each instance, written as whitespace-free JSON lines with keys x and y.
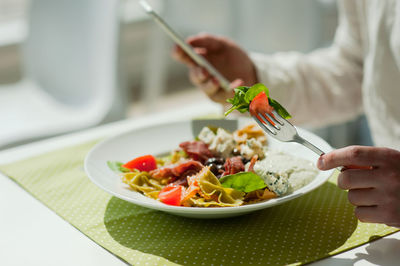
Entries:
{"x":31,"y":234}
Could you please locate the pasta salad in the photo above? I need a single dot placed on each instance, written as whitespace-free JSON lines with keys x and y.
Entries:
{"x":217,"y":169}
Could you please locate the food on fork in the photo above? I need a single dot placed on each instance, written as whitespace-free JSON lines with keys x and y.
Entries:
{"x":256,"y":100}
{"x":217,"y":169}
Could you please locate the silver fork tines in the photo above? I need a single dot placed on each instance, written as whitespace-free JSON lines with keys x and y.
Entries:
{"x":275,"y":118}
{"x":271,"y":118}
{"x":278,"y":118}
{"x":283,"y":130}
{"x":265,"y":125}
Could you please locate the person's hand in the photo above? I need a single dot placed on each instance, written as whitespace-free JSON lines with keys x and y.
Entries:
{"x":375,"y":192}
{"x":226,"y":56}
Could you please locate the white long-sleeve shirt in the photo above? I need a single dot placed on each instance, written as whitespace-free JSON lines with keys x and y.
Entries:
{"x":359,"y":73}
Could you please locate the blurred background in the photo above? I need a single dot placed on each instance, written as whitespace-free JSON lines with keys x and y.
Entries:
{"x":66,"y":65}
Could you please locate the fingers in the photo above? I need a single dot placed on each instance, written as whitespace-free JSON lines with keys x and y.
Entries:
{"x":236,"y":83}
{"x":378,"y":214}
{"x":201,"y":78}
{"x":356,"y":179}
{"x":208,"y":41}
{"x":179,"y":55}
{"x":365,"y":197}
{"x":352,"y":155}
{"x":394,"y":224}
{"x":198,"y":75}
{"x":211,"y":87}
{"x":367,"y":214}
{"x":201,"y":43}
{"x":209,"y":84}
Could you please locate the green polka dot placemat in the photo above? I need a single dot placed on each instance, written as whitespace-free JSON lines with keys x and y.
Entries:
{"x":312,"y":227}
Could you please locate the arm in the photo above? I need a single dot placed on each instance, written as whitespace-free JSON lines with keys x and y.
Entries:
{"x":324,"y":86}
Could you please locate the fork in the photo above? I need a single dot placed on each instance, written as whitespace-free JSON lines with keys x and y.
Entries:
{"x":281,"y":129}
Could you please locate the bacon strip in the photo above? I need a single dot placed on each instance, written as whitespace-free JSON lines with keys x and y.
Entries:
{"x":197,"y":150}
{"x":178,"y":171}
{"x":233,"y":165}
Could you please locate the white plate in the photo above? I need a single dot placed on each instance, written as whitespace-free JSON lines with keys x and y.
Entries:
{"x":162,"y":138}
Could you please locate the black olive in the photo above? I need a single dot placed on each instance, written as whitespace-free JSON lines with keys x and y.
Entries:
{"x":236,"y":152}
{"x":210,"y":161}
{"x":220,"y":160}
{"x":221,"y":167}
{"x":216,"y":160}
{"x":214,"y":168}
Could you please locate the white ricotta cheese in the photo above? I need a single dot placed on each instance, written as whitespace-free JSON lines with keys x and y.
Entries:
{"x":206,"y":135}
{"x":251,"y":148}
{"x":294,"y":171}
{"x":223,"y":143}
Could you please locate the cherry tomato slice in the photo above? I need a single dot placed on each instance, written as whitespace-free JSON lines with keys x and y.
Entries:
{"x":142,"y":163}
{"x":171,"y":195}
{"x":260,"y":104}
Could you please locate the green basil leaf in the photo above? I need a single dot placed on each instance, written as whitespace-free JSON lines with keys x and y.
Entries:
{"x":117,"y":166}
{"x":230,"y":100}
{"x":113,"y":165}
{"x":254,"y":91}
{"x":240,"y":93}
{"x":279,"y":109}
{"x":238,"y":101}
{"x":241,"y":89}
{"x":124,"y":170}
{"x":241,"y":108}
{"x":243,"y":181}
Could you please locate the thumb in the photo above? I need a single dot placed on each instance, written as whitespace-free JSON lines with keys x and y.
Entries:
{"x":236,"y":83}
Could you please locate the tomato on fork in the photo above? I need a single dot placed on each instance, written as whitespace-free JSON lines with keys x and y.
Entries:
{"x":260,"y":104}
